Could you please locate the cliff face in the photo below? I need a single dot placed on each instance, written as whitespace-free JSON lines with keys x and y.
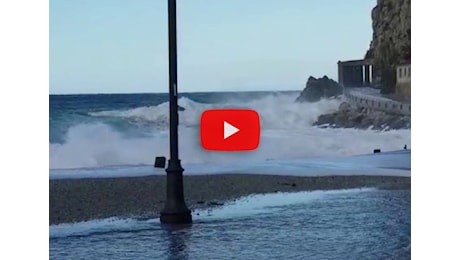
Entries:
{"x":390,"y":45}
{"x":391,"y":26}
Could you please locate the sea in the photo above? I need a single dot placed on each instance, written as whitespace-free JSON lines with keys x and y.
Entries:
{"x":119,"y":135}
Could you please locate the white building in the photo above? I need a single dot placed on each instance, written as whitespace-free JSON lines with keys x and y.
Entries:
{"x":403,"y":85}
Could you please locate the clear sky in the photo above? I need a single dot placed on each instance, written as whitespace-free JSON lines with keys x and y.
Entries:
{"x":121,"y":46}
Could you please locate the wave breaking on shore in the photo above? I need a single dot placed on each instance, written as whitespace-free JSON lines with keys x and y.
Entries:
{"x":287,"y":133}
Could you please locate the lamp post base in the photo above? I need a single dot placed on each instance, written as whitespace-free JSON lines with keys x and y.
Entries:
{"x":184,"y":217}
{"x":175,"y":210}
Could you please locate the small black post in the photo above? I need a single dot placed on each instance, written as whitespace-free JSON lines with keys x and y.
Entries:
{"x":175,"y":210}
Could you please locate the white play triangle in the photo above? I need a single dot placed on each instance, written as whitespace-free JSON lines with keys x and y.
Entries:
{"x":229,"y":130}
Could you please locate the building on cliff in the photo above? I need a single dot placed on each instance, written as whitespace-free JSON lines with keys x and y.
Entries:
{"x":402,"y":89}
{"x":360,"y":73}
{"x":355,"y":73}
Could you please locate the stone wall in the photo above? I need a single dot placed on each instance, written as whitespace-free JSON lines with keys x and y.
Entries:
{"x":376,"y":103}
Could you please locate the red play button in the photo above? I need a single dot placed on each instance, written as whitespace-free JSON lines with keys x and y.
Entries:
{"x":230,"y":130}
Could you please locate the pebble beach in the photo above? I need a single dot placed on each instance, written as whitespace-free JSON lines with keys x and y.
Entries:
{"x":75,"y":200}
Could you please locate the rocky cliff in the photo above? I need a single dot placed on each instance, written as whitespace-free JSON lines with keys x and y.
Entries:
{"x":390,"y":45}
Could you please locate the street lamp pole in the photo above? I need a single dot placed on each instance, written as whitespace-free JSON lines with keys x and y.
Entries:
{"x":175,"y":211}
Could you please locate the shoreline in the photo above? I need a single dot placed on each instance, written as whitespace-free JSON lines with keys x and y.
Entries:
{"x":75,"y":200}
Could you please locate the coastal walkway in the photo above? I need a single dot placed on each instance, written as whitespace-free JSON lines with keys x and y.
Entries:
{"x":371,"y":99}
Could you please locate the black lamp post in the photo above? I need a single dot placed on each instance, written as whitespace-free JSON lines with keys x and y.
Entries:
{"x":175,"y":210}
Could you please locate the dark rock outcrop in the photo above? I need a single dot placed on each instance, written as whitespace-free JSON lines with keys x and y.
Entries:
{"x":349,"y":117}
{"x":316,"y":89}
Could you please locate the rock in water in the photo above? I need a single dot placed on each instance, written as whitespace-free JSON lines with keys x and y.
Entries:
{"x":316,"y":89}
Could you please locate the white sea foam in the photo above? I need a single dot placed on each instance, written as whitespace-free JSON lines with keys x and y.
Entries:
{"x":99,"y":226}
{"x":395,"y":163}
{"x":265,"y":203}
{"x":276,"y":111}
{"x":243,"y":207}
{"x":287,"y":133}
